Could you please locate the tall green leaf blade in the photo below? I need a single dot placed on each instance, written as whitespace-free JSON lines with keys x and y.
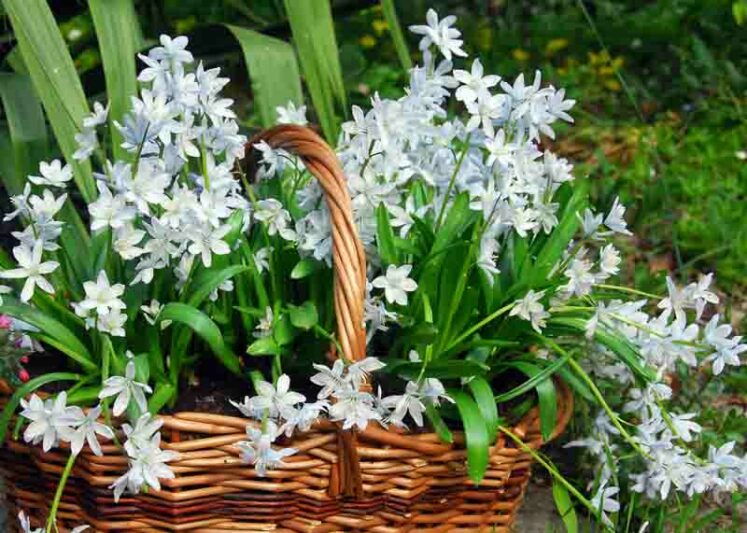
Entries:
{"x":483,"y":394}
{"x":476,"y":434}
{"x":273,"y":71}
{"x":28,"y":130}
{"x":564,"y":506}
{"x":117,"y":30}
{"x":547,"y":399}
{"x":205,"y":328}
{"x":52,"y":70}
{"x":314,"y":36}
{"x":51,"y":331}
{"x":209,"y":280}
{"x":398,"y":37}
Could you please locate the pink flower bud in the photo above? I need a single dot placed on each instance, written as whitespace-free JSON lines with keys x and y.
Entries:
{"x":24,"y":359}
{"x":5,"y":322}
{"x":23,"y":375}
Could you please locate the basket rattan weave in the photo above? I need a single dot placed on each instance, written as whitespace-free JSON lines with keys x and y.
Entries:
{"x":378,"y":480}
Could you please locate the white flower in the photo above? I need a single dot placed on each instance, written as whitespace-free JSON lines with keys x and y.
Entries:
{"x":684,"y":426}
{"x":580,"y":278}
{"x":25,"y":523}
{"x":87,"y":429}
{"x":97,"y":117}
{"x":271,"y":212}
{"x":604,"y":501}
{"x":208,"y":241}
{"x":331,"y":380}
{"x":291,"y":114}
{"x":303,"y":418}
{"x":112,"y":322}
{"x":278,"y":400}
{"x":609,"y":261}
{"x":101,"y":297}
{"x":125,"y":388}
{"x":141,"y":434}
{"x":50,"y":420}
{"x":126,"y":240}
{"x":396,"y":284}
{"x":357,"y":373}
{"x":407,"y":403}
{"x":265,"y":324}
{"x":172,"y":51}
{"x":441,"y":34}
{"x":109,"y":210}
{"x":31,"y":267}
{"x":529,"y":308}
{"x":354,"y":409}
{"x":701,"y":295}
{"x":474,"y":83}
{"x":614,"y":220}
{"x":147,"y":464}
{"x":258,"y":449}
{"x":590,"y":223}
{"x":87,"y":143}
{"x":272,"y":160}
{"x":485,"y":110}
{"x":53,"y":174}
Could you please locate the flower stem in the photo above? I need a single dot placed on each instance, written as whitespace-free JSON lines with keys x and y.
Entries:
{"x":613,"y":416}
{"x":628,"y":290}
{"x":492,"y":316}
{"x":552,"y":470}
{"x":52,"y":518}
{"x":452,"y":181}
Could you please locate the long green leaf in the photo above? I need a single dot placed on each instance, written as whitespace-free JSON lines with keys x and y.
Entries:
{"x":205,"y":328}
{"x":52,"y":70}
{"x":483,"y":394}
{"x":533,"y":381}
{"x":476,"y":434}
{"x":547,"y":399}
{"x":385,"y":237}
{"x":28,"y":130}
{"x":28,"y":388}
{"x":51,"y":331}
{"x":116,"y":26}
{"x":398,"y":37}
{"x":209,"y":280}
{"x":314,"y":36}
{"x":273,"y":71}
{"x":564,"y":506}
{"x":439,"y":426}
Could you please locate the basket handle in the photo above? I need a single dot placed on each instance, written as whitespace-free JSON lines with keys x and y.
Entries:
{"x":348,"y":258}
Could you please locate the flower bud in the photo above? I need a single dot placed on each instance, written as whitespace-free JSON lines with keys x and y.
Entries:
{"x":23,"y":375}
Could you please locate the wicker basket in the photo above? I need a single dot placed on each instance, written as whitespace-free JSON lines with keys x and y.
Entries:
{"x":378,"y":480}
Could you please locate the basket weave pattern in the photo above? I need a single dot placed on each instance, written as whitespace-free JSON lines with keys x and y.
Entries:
{"x":378,"y":480}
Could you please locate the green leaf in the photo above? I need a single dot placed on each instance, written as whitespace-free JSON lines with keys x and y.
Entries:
{"x":163,"y":393}
{"x":314,"y":37}
{"x":441,"y":369}
{"x":26,"y":389}
{"x":552,"y":249}
{"x":439,"y":426}
{"x":565,"y":507}
{"x":115,"y":22}
{"x":282,"y":330}
{"x":304,"y":316}
{"x":264,"y":346}
{"x":51,"y":332}
{"x":273,"y":71}
{"x":476,"y":434}
{"x":304,"y":268}
{"x":483,"y":394}
{"x":392,"y":21}
{"x":27,"y":127}
{"x":52,"y":70}
{"x":209,"y":280}
{"x":548,"y":403}
{"x":534,"y":380}
{"x":385,"y":237}
{"x":205,"y":328}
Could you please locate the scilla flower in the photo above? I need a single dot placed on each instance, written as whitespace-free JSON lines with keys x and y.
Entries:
{"x":258,"y":450}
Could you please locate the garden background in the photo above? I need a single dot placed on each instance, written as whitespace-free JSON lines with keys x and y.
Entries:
{"x":662,"y":92}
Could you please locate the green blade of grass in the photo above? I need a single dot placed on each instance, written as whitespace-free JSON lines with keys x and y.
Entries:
{"x":273,"y":71}
{"x":53,"y":73}
{"x":117,"y":29}
{"x":314,"y":36}
{"x":476,"y":434}
{"x":28,"y":130}
{"x":398,"y":37}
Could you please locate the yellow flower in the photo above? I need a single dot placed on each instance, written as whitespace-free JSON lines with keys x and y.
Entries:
{"x":520,"y":54}
{"x":367,"y":41}
{"x":555,"y":45}
{"x":379,"y":26}
{"x":612,"y":85}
